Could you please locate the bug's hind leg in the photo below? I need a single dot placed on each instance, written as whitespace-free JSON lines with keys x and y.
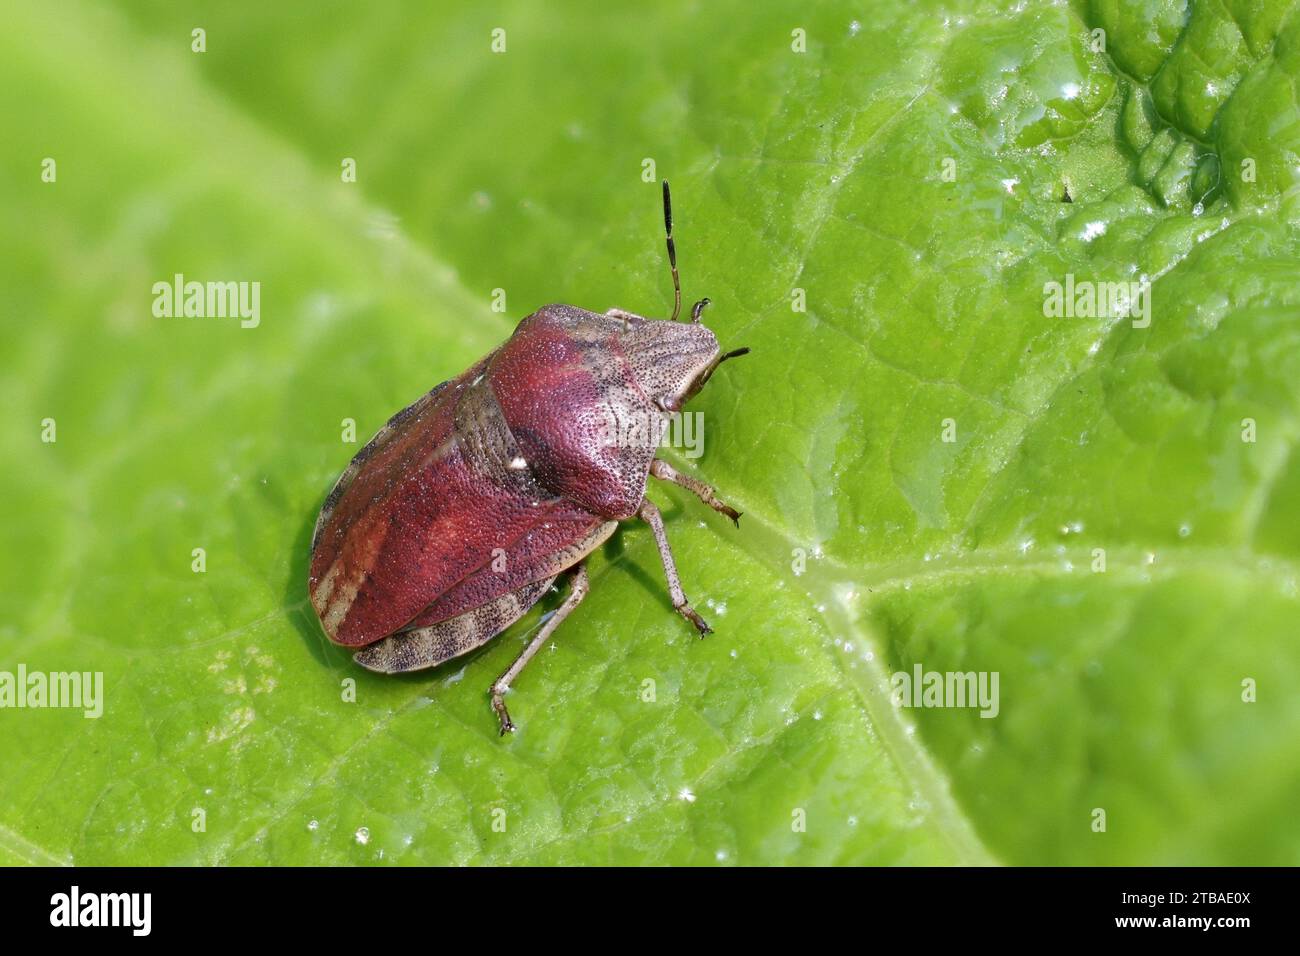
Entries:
{"x":577,"y":591}
{"x":666,"y":472}
{"x":649,"y":513}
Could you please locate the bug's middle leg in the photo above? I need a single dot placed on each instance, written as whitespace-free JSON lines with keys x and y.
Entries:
{"x":577,"y":591}
{"x":666,"y":472}
{"x":649,"y":513}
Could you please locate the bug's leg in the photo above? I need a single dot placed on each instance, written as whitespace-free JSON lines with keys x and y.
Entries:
{"x":697,"y":309}
{"x":666,"y":472}
{"x":577,"y":591}
{"x":651,"y":516}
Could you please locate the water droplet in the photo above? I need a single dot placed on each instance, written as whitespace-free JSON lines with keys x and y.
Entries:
{"x":1092,"y":230}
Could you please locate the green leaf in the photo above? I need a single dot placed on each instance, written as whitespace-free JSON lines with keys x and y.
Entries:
{"x":1097,"y":531}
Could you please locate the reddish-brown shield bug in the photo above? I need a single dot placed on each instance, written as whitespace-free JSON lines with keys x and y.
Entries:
{"x":457,"y":517}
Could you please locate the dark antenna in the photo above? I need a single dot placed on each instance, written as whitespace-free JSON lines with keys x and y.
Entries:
{"x":672,"y":253}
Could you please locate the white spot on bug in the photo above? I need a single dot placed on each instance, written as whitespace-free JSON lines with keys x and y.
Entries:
{"x":363,"y":835}
{"x":476,"y":381}
{"x":518,"y":463}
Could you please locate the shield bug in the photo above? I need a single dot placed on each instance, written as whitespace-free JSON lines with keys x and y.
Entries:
{"x":464,"y":509}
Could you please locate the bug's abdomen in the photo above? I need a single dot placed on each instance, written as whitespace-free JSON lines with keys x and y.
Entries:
{"x":430,"y":646}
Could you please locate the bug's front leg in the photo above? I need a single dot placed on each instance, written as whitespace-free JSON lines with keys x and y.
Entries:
{"x":649,"y":513}
{"x":577,"y":591}
{"x":666,"y":472}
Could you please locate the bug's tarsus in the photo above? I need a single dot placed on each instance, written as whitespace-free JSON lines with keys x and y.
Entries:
{"x":672,"y":253}
{"x":701,"y":625}
{"x":697,"y":308}
{"x":734,"y":353}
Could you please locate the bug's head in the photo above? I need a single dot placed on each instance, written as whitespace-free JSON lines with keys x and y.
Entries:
{"x":673,"y":360}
